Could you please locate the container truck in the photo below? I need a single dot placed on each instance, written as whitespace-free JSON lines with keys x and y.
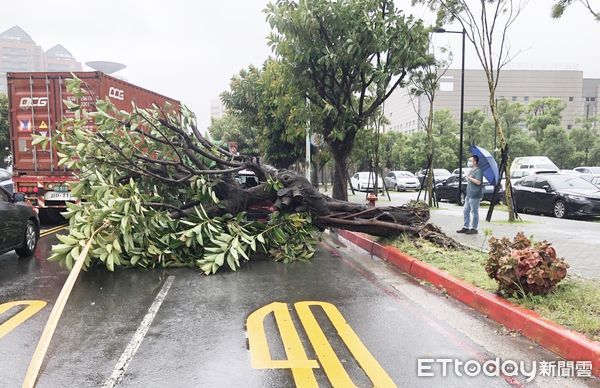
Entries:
{"x":36,"y":106}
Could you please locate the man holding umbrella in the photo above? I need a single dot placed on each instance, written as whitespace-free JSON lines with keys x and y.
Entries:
{"x":473,"y":197}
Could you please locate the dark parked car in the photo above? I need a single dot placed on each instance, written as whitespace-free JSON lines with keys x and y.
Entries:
{"x":19,"y":224}
{"x":448,"y":190}
{"x":439,"y":175}
{"x":559,"y":195}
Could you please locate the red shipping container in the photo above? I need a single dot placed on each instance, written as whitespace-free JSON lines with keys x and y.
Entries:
{"x":36,"y":106}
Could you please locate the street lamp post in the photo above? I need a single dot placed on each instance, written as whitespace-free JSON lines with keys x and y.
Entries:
{"x":462,"y":104}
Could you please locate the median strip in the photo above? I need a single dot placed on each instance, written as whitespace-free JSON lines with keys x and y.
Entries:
{"x":568,"y":344}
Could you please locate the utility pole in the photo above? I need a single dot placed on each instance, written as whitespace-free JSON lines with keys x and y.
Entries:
{"x":308,"y":141}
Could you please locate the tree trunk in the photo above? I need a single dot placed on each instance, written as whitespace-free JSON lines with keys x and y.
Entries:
{"x":340,"y":176}
{"x":430,"y":153}
{"x":500,"y":132}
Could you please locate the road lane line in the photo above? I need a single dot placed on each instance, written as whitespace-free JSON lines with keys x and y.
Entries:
{"x":123,"y":362}
{"x":33,"y":306}
{"x":47,"y":232}
{"x":42,"y":347}
{"x":334,"y":370}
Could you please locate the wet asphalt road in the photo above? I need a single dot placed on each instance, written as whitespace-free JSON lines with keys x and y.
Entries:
{"x":198,"y":337}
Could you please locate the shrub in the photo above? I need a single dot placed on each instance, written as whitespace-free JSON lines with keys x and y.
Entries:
{"x":521,"y":267}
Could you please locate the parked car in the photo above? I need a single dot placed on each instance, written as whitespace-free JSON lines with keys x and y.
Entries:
{"x":6,"y":180}
{"x":402,"y":180}
{"x":448,"y":190}
{"x":456,"y":170}
{"x":569,"y":172}
{"x":246,"y":178}
{"x":517,"y":174}
{"x":439,"y":175}
{"x":592,"y":178}
{"x":364,"y":181}
{"x":19,"y":224}
{"x":533,"y":162}
{"x":588,"y":170}
{"x":556,"y":194}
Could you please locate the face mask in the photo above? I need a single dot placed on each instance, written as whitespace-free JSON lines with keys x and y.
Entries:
{"x":469,"y":164}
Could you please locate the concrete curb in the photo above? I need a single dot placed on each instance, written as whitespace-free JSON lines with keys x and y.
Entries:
{"x":566,"y":343}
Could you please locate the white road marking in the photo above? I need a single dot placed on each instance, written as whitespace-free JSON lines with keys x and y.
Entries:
{"x":121,"y":367}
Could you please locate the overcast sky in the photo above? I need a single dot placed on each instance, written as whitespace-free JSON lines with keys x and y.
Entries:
{"x":189,"y":50}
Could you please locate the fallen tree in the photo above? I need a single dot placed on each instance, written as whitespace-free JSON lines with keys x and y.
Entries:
{"x":167,"y":196}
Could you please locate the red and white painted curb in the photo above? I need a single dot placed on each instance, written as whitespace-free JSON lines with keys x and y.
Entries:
{"x":566,"y":343}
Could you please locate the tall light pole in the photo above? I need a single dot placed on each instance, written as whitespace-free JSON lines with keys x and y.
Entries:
{"x":462,"y":104}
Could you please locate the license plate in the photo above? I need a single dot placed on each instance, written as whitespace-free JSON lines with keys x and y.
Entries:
{"x":58,"y":196}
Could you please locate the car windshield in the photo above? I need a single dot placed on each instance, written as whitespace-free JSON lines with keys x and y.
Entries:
{"x":440,"y":172}
{"x":570,"y":182}
{"x":406,"y":174}
{"x":595,"y":170}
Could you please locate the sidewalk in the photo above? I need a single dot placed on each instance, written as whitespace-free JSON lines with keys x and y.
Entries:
{"x":576,"y":241}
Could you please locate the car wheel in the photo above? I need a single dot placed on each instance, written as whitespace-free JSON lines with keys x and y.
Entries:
{"x":560,"y":209}
{"x":396,"y":187}
{"x":30,"y":240}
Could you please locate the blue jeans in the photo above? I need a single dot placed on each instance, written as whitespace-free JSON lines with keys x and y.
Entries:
{"x":471,"y":208}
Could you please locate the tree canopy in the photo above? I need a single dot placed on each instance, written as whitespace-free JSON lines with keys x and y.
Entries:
{"x":274,"y":113}
{"x":560,"y":6}
{"x":348,"y":56}
{"x":543,"y":113}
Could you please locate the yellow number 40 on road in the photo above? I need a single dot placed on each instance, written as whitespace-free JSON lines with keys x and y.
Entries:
{"x":297,"y":360}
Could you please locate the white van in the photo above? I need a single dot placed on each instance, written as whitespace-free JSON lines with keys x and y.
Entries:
{"x":534,"y":163}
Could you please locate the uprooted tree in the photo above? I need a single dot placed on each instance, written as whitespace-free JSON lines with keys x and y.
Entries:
{"x":166,"y":196}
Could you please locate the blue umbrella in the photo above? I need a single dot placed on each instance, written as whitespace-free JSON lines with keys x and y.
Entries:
{"x":486,"y":163}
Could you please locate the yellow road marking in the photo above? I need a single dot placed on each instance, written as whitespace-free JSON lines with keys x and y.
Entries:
{"x":50,"y":231}
{"x":333,"y":368}
{"x":33,"y":306}
{"x":297,"y":360}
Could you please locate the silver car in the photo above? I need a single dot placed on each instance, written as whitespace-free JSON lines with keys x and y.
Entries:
{"x":402,"y":181}
{"x":6,"y":180}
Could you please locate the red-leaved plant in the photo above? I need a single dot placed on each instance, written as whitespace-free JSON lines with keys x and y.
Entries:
{"x":522,"y":268}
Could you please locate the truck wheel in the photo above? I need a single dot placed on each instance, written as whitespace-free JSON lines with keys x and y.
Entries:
{"x":30,"y":240}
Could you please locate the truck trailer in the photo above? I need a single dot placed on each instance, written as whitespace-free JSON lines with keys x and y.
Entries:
{"x":36,"y":106}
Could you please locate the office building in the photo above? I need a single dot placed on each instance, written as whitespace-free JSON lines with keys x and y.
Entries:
{"x":408,"y":114}
{"x":59,"y":58}
{"x":19,"y":52}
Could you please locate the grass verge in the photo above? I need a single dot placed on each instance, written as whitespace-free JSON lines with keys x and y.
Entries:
{"x":574,"y":303}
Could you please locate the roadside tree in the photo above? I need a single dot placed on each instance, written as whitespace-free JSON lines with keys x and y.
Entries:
{"x":543,"y":113}
{"x":557,"y":146}
{"x":272,"y":111}
{"x":349,"y":57}
{"x":486,"y":25}
{"x":559,"y":7}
